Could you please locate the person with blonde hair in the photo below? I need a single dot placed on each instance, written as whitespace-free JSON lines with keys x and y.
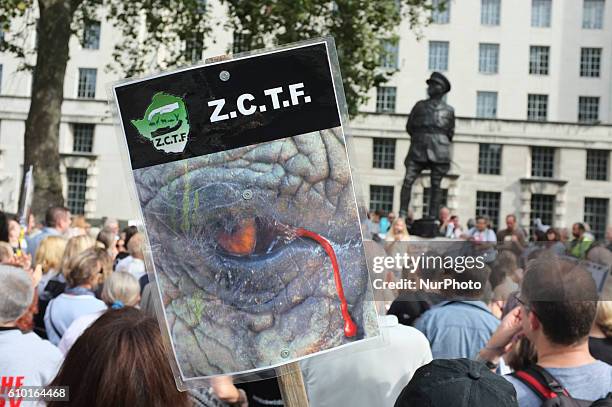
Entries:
{"x":49,"y":257}
{"x":398,"y":231}
{"x":57,"y":283}
{"x":120,"y":290}
{"x":600,"y":337}
{"x":75,"y":246}
{"x":86,"y":272}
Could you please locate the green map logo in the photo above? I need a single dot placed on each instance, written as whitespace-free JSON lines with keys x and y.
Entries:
{"x":165,"y":123}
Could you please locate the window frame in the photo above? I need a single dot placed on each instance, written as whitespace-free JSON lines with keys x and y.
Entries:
{"x":438,"y":61}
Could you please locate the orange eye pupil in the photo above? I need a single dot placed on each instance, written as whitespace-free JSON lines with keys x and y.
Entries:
{"x":241,"y":241}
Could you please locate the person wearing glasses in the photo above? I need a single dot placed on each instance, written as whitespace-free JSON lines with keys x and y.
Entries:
{"x":88,"y":270}
{"x":557,"y":307}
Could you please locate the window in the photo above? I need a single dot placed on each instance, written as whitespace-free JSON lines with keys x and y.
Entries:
{"x":543,"y":208}
{"x":489,"y":159}
{"x":383,"y":153}
{"x":77,"y":187}
{"x":390,"y":54}
{"x":241,"y":42}
{"x":592,"y":14}
{"x":385,"y":99}
{"x":487,"y":204}
{"x":441,"y":11}
{"x":488,"y":58}
{"x":381,"y":198}
{"x":597,"y":165}
{"x":542,"y":162}
{"x":538,"y":60}
{"x":596,"y":215}
{"x":438,"y":55}
{"x":427,"y":197}
{"x":194,"y":46}
{"x":486,"y":104}
{"x":537,"y":107}
{"x":82,"y":137}
{"x":91,"y":35}
{"x":0,"y":78}
{"x":87,"y":83}
{"x":490,"y":12}
{"x":541,"y":11}
{"x":588,"y":109}
{"x":590,"y":62}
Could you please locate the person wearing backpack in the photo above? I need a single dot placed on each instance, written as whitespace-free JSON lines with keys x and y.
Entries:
{"x":558,"y":303}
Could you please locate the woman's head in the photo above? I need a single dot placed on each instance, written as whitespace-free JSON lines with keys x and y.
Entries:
{"x":552,"y":235}
{"x":75,"y":246}
{"x":119,"y":361}
{"x":50,"y":252}
{"x":14,"y":230}
{"x":121,"y":288}
{"x":90,"y":267}
{"x":398,"y":228}
{"x":604,"y":317}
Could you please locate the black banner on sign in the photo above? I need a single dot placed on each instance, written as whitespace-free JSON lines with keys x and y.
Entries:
{"x":232,"y":104}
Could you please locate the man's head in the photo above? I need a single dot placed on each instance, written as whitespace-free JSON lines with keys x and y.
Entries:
{"x":455,"y":220}
{"x":16,"y":293}
{"x":578,"y":230}
{"x":444,"y":214}
{"x":58,"y":217}
{"x":482,"y":222}
{"x":559,"y":300}
{"x":464,"y":382}
{"x":511,"y":222}
{"x":391,"y":216}
{"x":437,"y":85}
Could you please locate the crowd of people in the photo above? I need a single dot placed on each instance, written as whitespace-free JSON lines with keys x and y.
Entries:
{"x":76,"y":310}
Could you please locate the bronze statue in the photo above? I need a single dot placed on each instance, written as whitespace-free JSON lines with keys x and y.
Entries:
{"x":431,"y":126}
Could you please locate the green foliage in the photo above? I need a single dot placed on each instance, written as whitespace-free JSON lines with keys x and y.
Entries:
{"x":359,"y":28}
{"x":158,"y":34}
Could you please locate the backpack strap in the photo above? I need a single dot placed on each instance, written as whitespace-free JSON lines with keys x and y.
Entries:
{"x":55,"y":330}
{"x":542,"y":383}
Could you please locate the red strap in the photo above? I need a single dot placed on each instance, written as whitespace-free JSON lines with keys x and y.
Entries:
{"x":536,"y":385}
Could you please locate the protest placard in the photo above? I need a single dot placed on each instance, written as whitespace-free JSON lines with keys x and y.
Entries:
{"x":241,"y":172}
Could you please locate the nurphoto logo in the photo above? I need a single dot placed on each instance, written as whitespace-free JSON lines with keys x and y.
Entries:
{"x":165,"y":123}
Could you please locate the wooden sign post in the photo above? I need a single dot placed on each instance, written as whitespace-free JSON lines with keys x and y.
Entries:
{"x":291,"y":385}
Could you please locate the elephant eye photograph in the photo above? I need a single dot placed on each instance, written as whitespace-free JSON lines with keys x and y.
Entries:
{"x":366,"y":203}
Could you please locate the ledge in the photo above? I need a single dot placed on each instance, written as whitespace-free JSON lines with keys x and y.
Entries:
{"x":533,"y":180}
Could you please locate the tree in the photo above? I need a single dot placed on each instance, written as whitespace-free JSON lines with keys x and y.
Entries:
{"x":360,"y":29}
{"x":166,"y":33}
{"x":153,"y":22}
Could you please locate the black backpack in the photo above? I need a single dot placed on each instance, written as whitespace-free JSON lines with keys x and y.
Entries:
{"x":551,"y":392}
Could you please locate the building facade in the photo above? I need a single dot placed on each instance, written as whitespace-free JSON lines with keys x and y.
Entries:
{"x":523,"y":74}
{"x":509,"y":59}
{"x":558,"y":172}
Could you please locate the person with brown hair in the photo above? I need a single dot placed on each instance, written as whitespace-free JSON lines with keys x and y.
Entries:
{"x":87,"y":271}
{"x":557,"y":309}
{"x":119,"y":361}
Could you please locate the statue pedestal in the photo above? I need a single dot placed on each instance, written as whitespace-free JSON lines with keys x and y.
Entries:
{"x":425,"y":227}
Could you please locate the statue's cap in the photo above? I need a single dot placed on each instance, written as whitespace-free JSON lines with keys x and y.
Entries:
{"x":437,"y":77}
